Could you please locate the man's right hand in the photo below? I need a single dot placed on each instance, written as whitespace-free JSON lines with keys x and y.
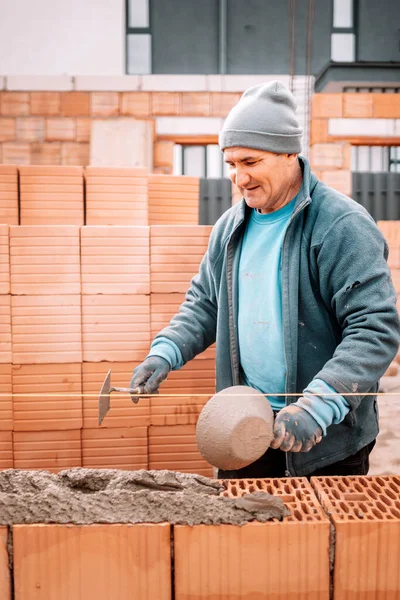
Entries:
{"x":148,"y":376}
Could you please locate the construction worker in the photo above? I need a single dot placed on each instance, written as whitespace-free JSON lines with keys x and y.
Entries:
{"x":296,"y":292}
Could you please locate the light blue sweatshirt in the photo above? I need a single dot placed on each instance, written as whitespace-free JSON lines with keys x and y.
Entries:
{"x":260,"y":329}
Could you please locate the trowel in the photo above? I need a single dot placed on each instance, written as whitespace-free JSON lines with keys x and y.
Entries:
{"x":107,"y":388}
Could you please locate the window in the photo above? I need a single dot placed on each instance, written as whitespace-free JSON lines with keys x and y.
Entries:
{"x":343,"y":38}
{"x":138,"y":37}
{"x":375,"y":159}
{"x":199,"y":161}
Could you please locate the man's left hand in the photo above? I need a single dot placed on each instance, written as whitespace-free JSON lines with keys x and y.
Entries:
{"x":295,"y":430}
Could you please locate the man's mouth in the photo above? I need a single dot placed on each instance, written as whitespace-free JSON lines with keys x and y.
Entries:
{"x":251,"y":189}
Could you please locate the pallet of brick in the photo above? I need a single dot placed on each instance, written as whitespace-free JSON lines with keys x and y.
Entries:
{"x":276,"y":559}
{"x":5,"y":328}
{"x":4,"y":260}
{"x":97,"y":561}
{"x":115,"y":260}
{"x":46,"y":329}
{"x":45,"y":260}
{"x":51,"y":195}
{"x":174,"y":447}
{"x":173,"y":200}
{"x":176,"y":252}
{"x":116,"y":196}
{"x":115,"y":328}
{"x":115,"y":448}
{"x":123,"y":412}
{"x":6,"y":400}
{"x":9,"y":194}
{"x":365,"y":512}
{"x":53,"y":399}
{"x":48,"y":450}
{"x":162,"y":308}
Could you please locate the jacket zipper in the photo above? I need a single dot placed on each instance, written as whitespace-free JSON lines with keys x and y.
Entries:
{"x":295,"y":213}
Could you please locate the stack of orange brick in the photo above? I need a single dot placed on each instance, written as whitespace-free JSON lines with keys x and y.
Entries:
{"x":9,"y":195}
{"x":51,"y":195}
{"x":6,"y":406}
{"x":116,"y":196}
{"x":173,"y":200}
{"x":175,"y":256}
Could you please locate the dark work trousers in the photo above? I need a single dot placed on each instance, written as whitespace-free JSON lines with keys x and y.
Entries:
{"x":273,"y":464}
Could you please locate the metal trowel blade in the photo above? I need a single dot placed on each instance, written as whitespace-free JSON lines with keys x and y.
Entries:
{"x":104,"y":398}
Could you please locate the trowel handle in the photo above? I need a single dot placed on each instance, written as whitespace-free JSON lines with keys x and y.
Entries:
{"x":126,"y":390}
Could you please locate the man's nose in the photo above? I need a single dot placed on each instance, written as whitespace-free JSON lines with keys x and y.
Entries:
{"x":241,"y":177}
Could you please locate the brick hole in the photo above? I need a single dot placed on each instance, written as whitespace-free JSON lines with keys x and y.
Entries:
{"x":336,"y":494}
{"x":344,"y":507}
{"x":304,"y":508}
{"x":242,"y":484}
{"x":381,"y":507}
{"x":376,"y":513}
{"x":252,"y":488}
{"x":287,"y":488}
{"x":386,"y":500}
{"x":376,"y":487}
{"x":395,"y":513}
{"x":342,"y":487}
{"x":260,"y":484}
{"x":275,"y":483}
{"x":298,"y":514}
{"x":329,"y":483}
{"x":391,"y":494}
{"x":351,"y":497}
{"x":380,"y":481}
{"x":395,"y":480}
{"x":397,"y":504}
{"x":234,"y":490}
{"x":363,"y":507}
{"x":394,"y":487}
{"x":373,"y":495}
{"x":358,"y":488}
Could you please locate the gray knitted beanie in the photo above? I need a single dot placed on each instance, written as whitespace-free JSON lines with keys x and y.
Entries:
{"x":264,"y":118}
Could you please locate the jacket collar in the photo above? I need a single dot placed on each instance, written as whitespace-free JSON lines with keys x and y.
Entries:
{"x":309,"y":183}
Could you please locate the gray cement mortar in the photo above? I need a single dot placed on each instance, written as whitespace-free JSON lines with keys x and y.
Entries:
{"x":87,"y":496}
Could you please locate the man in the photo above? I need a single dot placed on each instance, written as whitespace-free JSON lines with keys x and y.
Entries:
{"x":296,"y":291}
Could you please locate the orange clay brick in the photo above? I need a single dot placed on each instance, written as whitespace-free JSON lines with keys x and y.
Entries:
{"x":115,"y":260}
{"x":196,"y":104}
{"x":164,"y":153}
{"x":182,"y":409}
{"x":105,"y":104}
{"x":357,"y":105}
{"x":6,"y":450}
{"x":8,"y":129}
{"x":16,"y":153}
{"x":386,"y":106}
{"x":173,"y":200}
{"x":222,"y":103}
{"x":92,"y":562}
{"x":136,"y":104}
{"x":326,"y":106}
{"x":30,"y":129}
{"x":4,"y":260}
{"x":49,"y":450}
{"x":60,"y":129}
{"x":175,"y":255}
{"x":115,"y":328}
{"x":45,"y":104}
{"x":196,"y":377}
{"x":14,"y":104}
{"x":83,"y":130}
{"x":5,"y":575}
{"x":123,"y":412}
{"x":338,"y":180}
{"x":75,"y":104}
{"x":75,"y":154}
{"x":44,"y":260}
{"x":116,"y":196}
{"x":51,"y":195}
{"x":6,"y":402}
{"x":174,"y":447}
{"x":5,"y":328}
{"x":162,"y":308}
{"x":319,"y":131}
{"x":46,"y":154}
{"x":166,"y":103}
{"x":328,"y":156}
{"x":391,"y":232}
{"x":365,"y":512}
{"x":57,"y":403}
{"x":115,"y":448}
{"x":278,"y":559}
{"x":46,"y":329}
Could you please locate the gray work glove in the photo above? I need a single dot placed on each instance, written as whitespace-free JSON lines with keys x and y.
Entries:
{"x":147,"y":376}
{"x":295,"y":430}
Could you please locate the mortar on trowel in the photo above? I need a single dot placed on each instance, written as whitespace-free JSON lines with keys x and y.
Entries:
{"x":235,"y":428}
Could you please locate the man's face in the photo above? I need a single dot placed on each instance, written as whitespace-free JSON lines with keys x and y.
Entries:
{"x":263,"y":178}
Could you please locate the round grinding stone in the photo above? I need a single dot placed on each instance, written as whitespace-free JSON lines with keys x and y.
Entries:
{"x":235,"y":427}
